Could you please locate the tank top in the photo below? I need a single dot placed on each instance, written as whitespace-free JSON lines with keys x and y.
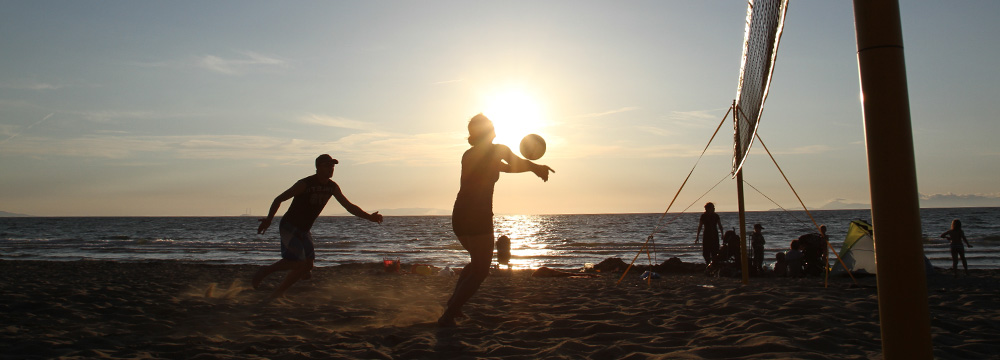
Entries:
{"x":480,"y":172}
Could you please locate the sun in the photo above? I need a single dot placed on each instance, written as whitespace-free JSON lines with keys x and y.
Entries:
{"x":515,"y":113}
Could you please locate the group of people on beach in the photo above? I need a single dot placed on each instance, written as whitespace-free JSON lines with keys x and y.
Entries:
{"x":808,"y":255}
{"x":727,"y":255}
{"x":472,"y":214}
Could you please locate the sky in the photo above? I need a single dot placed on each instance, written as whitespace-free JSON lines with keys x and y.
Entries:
{"x":193,"y":108}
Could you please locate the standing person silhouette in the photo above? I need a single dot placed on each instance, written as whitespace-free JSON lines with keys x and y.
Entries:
{"x":472,"y":215}
{"x":713,"y":226}
{"x":955,"y":237}
{"x":309,"y":196}
{"x":825,"y":240}
{"x":757,"y":243}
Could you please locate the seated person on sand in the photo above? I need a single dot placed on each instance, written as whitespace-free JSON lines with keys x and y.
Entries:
{"x":780,"y":265}
{"x":732,"y":241}
{"x":729,"y":253}
{"x":794,"y":258}
{"x":727,"y":261}
{"x":814,"y":252}
{"x":503,"y":251}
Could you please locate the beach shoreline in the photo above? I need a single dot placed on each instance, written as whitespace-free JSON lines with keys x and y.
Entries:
{"x":169,"y":309}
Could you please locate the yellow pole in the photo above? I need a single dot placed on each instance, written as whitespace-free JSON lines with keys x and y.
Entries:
{"x":737,"y":113}
{"x":902,"y":286}
{"x":743,"y":229}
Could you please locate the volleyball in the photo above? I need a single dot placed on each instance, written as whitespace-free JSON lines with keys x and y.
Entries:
{"x":532,"y":147}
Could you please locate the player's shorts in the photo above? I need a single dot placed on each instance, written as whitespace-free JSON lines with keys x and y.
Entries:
{"x":466,"y":222}
{"x":296,"y":245}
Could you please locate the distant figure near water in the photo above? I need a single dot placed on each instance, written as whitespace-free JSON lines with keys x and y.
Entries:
{"x":309,"y":196}
{"x":956,"y":236}
{"x":472,"y":215}
{"x":503,"y":251}
{"x":713,"y":227}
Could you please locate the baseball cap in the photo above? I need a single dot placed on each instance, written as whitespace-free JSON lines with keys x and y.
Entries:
{"x":325,"y":158}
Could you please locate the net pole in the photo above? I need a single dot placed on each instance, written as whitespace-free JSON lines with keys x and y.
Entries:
{"x":743,"y":228}
{"x":902,"y":285}
{"x":737,"y":114}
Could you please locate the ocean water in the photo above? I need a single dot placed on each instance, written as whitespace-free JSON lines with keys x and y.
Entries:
{"x":558,"y":241}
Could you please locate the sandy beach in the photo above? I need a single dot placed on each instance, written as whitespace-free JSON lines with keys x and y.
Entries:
{"x":171,"y":310}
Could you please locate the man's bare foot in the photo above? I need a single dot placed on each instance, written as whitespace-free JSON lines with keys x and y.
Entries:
{"x":446,"y":321}
{"x":257,"y":278}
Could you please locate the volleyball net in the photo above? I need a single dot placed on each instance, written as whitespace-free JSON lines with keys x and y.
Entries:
{"x":765,"y":20}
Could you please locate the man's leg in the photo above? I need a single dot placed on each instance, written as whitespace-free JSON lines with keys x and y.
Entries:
{"x":280,"y":265}
{"x":299,"y":269}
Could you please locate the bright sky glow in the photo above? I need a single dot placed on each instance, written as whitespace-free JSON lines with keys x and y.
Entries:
{"x":514,"y":114}
{"x":193,"y":108}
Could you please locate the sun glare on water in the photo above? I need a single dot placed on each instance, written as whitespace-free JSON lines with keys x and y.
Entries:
{"x":514,"y":114}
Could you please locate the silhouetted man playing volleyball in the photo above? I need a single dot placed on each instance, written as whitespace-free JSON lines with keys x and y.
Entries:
{"x":309,"y":196}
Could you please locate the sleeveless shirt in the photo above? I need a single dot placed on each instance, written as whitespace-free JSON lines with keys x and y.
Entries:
{"x":478,"y":180}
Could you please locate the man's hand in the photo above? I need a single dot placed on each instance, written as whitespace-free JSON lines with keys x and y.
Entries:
{"x":264,"y":224}
{"x":375,"y":217}
{"x":542,"y":171}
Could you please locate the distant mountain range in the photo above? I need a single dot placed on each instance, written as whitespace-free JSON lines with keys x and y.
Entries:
{"x":926,"y":201}
{"x":10,"y":214}
{"x":406,"y":212}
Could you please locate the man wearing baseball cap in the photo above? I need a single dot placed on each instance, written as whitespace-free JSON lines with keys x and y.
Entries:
{"x":309,"y":196}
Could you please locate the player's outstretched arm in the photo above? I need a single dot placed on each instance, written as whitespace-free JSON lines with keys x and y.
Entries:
{"x":516,"y":164}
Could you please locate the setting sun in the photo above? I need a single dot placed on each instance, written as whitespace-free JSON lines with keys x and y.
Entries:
{"x":515,"y":114}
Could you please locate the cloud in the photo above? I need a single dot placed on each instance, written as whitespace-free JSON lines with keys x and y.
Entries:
{"x":112,"y":115}
{"x":368,"y":147}
{"x":960,"y":200}
{"x":645,"y":152}
{"x":237,"y":66}
{"x":334,"y":121}
{"x":654,"y":130}
{"x":803,"y":150}
{"x":419,"y":149}
{"x":32,"y":85}
{"x":222,"y":65}
{"x":929,"y":201}
{"x":25,"y":129}
{"x":694,"y":115}
{"x":606,"y":113}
